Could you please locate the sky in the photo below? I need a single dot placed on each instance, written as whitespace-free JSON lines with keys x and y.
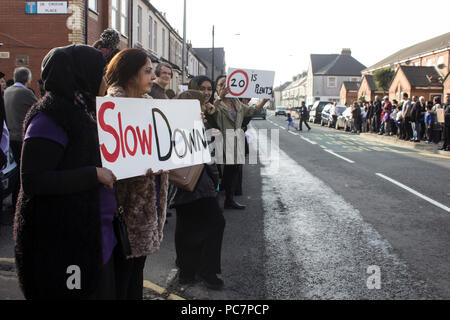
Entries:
{"x":280,"y":35}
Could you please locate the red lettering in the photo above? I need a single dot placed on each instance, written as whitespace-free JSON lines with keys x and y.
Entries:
{"x":119,"y":117}
{"x":131,"y":129}
{"x":144,"y":141}
{"x":110,"y":157}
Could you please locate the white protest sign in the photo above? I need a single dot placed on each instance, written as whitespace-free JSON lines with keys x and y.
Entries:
{"x":140,"y":134}
{"x":246,"y":83}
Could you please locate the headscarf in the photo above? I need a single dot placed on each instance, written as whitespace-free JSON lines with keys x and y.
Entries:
{"x":73,"y":70}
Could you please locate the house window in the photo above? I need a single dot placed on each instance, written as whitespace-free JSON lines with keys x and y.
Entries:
{"x":150,"y":33}
{"x":416,"y":64}
{"x":155,"y":36}
{"x":115,"y":15}
{"x":139,"y":25}
{"x":331,"y":82}
{"x":354,"y":79}
{"x":440,"y":60}
{"x":93,"y":5}
{"x":124,"y":17}
{"x":429,"y":62}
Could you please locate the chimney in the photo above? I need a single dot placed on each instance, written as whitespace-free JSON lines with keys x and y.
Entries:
{"x":346,"y":52}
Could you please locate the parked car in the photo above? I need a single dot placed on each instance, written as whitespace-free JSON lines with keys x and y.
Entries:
{"x":327,"y":117}
{"x":280,"y":111}
{"x":316,"y":111}
{"x":261,"y":115}
{"x":343,"y":120}
{"x":10,"y":175}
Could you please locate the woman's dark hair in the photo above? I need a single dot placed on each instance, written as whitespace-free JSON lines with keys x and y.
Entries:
{"x":125,"y":66}
{"x":197,"y":81}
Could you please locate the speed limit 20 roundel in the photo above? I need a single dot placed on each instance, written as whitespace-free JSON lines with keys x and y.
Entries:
{"x":237,"y":82}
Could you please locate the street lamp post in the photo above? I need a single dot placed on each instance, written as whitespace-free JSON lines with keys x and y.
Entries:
{"x":184,"y":46}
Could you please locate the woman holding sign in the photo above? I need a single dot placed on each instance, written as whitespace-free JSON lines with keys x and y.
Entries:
{"x":229,"y":115}
{"x":63,"y":232}
{"x":143,"y":199}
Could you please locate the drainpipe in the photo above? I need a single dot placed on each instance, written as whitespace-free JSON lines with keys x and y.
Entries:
{"x":86,"y":12}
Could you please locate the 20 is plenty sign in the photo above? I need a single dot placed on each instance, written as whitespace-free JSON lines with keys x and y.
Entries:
{"x":246,"y":83}
{"x":138,"y":134}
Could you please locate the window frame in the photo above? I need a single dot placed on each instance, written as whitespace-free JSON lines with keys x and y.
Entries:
{"x":150,"y":32}
{"x":115,"y":14}
{"x":328,"y":82}
{"x":124,"y":17}
{"x":139,"y":24}
{"x":96,"y":5}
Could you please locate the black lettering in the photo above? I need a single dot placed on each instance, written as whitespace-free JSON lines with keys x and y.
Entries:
{"x":191,"y":141}
{"x":254,"y":77}
{"x":203,"y":140}
{"x":233,"y":83}
{"x":169,"y":153}
{"x":185,"y":143}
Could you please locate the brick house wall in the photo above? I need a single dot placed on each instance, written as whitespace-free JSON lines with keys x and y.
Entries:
{"x":434,"y":58}
{"x":347,"y":97}
{"x":446,"y":87}
{"x":28,"y":38}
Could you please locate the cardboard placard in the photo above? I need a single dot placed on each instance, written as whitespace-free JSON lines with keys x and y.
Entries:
{"x":440,"y":115}
{"x":138,"y":134}
{"x":246,"y":83}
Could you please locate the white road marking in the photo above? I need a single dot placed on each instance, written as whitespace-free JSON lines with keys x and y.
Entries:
{"x":339,"y":156}
{"x":306,"y":139}
{"x":295,"y":134}
{"x":401,"y":185}
{"x":317,"y":244}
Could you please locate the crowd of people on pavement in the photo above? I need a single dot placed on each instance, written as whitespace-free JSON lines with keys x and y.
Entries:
{"x":412,"y":120}
{"x":70,"y":211}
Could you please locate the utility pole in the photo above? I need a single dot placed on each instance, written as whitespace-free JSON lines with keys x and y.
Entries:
{"x":212,"y":64}
{"x":184,"y":46}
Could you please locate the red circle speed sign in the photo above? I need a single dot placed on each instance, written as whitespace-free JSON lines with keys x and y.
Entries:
{"x":237,"y":82}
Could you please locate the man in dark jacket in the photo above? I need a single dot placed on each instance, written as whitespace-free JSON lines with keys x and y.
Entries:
{"x":303,"y":117}
{"x":416,"y":111}
{"x":446,"y":145}
{"x":377,"y":110}
{"x":18,"y":100}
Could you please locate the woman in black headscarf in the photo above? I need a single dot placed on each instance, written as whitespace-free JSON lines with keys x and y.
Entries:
{"x":63,"y":230}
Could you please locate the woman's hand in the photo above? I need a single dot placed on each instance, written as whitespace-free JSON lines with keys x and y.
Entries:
{"x":106,"y":177}
{"x":210,"y":108}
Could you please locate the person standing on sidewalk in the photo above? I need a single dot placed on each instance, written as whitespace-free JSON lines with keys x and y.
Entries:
{"x":18,"y":100}
{"x":303,"y":117}
{"x":446,"y":145}
{"x":415,"y":118}
{"x":229,"y":115}
{"x":406,"y":108}
{"x":144,"y":198}
{"x":377,"y":110}
{"x":63,"y":221}
{"x":200,"y":221}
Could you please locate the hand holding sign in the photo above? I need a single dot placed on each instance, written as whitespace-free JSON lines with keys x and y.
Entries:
{"x":245,"y":83}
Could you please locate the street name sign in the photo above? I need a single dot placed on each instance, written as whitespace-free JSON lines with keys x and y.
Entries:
{"x":247,"y":83}
{"x":138,"y":134}
{"x":46,"y":7}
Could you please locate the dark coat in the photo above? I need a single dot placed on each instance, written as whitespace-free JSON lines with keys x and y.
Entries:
{"x":59,"y":229}
{"x":53,"y":232}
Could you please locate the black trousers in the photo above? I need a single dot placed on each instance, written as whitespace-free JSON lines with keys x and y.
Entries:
{"x":129,"y":275}
{"x":238,"y":189}
{"x":16,"y":148}
{"x":408,"y":129}
{"x":230,"y":179}
{"x":106,"y":287}
{"x":446,"y":136}
{"x":198,"y":237}
{"x":301,"y":122}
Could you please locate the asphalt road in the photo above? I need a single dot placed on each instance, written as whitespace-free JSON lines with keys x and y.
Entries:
{"x":325,"y":210}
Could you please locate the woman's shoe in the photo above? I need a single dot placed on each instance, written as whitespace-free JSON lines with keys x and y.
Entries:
{"x":211,"y":281}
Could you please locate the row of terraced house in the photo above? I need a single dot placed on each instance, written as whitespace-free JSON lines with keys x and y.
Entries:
{"x":419,"y":70}
{"x":29,"y":29}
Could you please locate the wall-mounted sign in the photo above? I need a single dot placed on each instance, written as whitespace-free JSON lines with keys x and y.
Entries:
{"x":46,"y":7}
